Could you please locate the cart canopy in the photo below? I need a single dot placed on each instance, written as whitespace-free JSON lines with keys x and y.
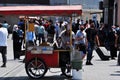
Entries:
{"x":41,"y":10}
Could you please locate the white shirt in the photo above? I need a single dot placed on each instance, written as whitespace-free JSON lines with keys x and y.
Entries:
{"x":81,"y":34}
{"x":36,"y":29}
{"x":3,"y":36}
{"x":41,"y":29}
{"x":66,"y":38}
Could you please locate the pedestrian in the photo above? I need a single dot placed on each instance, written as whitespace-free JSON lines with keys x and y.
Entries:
{"x":81,"y":40}
{"x":41,"y":31}
{"x":22,"y":24}
{"x":36,"y":25}
{"x":51,"y":32}
{"x":6,"y":25}
{"x":21,"y":35}
{"x":86,"y":25}
{"x":101,"y":35}
{"x":76,"y":27}
{"x":118,"y":34}
{"x":92,"y":36}
{"x":105,"y":30}
{"x":30,"y":38}
{"x":17,"y":41}
{"x":65,"y":37}
{"x":112,"y":41}
{"x":3,"y":44}
{"x":15,"y":38}
{"x":57,"y":29}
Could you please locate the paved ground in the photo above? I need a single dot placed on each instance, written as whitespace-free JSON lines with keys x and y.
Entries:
{"x":101,"y":70}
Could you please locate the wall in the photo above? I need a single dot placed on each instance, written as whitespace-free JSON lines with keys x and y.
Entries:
{"x":88,"y":14}
{"x":43,"y":2}
{"x":58,"y":2}
{"x":118,"y":18}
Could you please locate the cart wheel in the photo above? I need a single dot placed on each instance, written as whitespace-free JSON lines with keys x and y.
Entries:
{"x":66,"y":71}
{"x":36,"y":68}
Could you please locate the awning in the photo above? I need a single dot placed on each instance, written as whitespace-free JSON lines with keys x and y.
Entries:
{"x":41,"y":10}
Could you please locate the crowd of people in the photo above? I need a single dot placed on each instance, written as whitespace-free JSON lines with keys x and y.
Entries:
{"x":86,"y":35}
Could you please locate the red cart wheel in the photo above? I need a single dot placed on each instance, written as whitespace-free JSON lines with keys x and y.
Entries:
{"x":35,"y":68}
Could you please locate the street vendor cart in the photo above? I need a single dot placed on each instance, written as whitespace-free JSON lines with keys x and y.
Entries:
{"x":39,"y":58}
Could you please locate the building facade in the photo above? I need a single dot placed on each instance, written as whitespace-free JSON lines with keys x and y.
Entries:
{"x":89,"y":8}
{"x":58,"y":2}
{"x":116,"y":15}
{"x":87,"y":4}
{"x":108,"y":12}
{"x":24,"y":2}
{"x":111,"y":12}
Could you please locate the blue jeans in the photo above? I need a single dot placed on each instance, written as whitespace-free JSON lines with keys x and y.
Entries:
{"x":41,"y":36}
{"x":90,"y":51}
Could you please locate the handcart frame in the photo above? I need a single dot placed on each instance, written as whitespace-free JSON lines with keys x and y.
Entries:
{"x":37,"y":63}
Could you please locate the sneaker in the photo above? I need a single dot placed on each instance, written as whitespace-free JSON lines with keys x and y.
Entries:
{"x":62,"y":74}
{"x":113,"y":58}
{"x":3,"y":65}
{"x":68,"y":73}
{"x":89,"y":63}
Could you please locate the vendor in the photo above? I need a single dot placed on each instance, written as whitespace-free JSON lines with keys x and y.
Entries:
{"x":66,"y":43}
{"x":65,"y":36}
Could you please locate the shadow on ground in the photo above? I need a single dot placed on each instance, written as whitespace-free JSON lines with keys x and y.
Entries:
{"x":55,"y":77}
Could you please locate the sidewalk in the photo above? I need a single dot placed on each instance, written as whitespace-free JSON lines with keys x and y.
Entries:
{"x":11,"y":63}
{"x":10,"y":49}
{"x":101,"y":70}
{"x":10,"y":66}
